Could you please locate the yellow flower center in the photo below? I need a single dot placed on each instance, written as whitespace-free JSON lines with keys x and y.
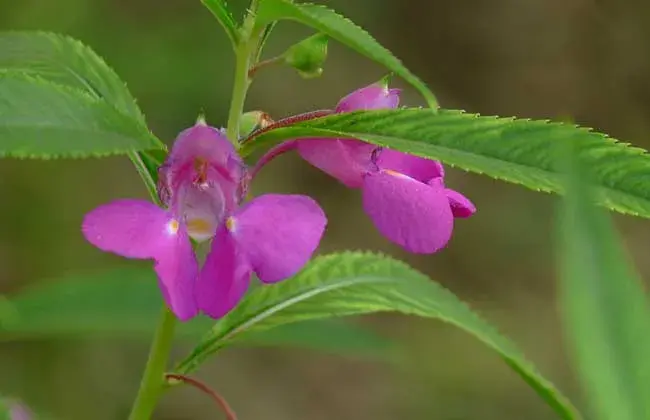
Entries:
{"x":200,"y":229}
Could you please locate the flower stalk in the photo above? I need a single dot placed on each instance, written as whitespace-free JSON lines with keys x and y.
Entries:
{"x":262,"y":64}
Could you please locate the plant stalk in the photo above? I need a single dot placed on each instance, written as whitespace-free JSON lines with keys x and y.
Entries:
{"x":243,"y":54}
{"x":153,"y":379}
{"x":239,"y":90}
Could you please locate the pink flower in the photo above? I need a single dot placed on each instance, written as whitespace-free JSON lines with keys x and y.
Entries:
{"x":201,"y":185}
{"x":404,"y":195}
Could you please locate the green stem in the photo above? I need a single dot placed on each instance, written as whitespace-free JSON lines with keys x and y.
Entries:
{"x":247,"y":44}
{"x":240,"y":87}
{"x":153,"y":379}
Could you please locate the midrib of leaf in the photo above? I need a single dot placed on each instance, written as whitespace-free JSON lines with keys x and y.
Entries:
{"x":35,"y":73}
{"x":231,"y":332}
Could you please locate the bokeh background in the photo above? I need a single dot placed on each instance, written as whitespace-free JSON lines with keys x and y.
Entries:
{"x":583,"y":60}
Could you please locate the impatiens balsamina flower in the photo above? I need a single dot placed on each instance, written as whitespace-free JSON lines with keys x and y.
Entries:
{"x":201,"y":186}
{"x":404,"y":195}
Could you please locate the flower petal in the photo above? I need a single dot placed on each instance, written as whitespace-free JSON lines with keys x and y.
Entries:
{"x":177,"y":271}
{"x":346,"y":160}
{"x":130,"y":228}
{"x":414,"y":215}
{"x":414,"y":166}
{"x":224,"y":278}
{"x":199,"y":151}
{"x":203,"y":206}
{"x":461,"y":206}
{"x":278,"y":234}
{"x":205,"y":141}
{"x":375,"y":96}
{"x":140,"y":229}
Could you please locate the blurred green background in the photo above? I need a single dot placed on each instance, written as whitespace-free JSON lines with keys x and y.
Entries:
{"x":583,"y":60}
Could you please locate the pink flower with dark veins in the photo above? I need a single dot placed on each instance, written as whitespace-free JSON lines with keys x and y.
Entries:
{"x":202,"y":185}
{"x":404,"y":195}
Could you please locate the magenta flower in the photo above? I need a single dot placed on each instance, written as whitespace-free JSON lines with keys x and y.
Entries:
{"x":404,"y":195}
{"x":201,"y":186}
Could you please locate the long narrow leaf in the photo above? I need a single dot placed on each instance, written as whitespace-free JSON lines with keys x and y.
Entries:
{"x":606,"y":311}
{"x":514,"y":150}
{"x":360,"y":283}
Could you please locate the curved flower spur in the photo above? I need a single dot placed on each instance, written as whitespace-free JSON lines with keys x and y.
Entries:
{"x":404,"y":195}
{"x":201,"y":186}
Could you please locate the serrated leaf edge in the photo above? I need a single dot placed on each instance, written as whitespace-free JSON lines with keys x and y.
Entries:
{"x":82,"y":95}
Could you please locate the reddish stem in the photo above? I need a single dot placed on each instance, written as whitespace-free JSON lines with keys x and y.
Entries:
{"x":221,"y":401}
{"x":289,"y":121}
{"x":265,"y":63}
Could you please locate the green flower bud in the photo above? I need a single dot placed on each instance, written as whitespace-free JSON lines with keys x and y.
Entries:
{"x":308,"y":56}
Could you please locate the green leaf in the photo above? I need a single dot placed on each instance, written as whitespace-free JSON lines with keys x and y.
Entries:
{"x":220,"y":10}
{"x":339,"y":337}
{"x":40,"y":119}
{"x":125,"y":303}
{"x":343,"y":30}
{"x":64,"y":60}
{"x":121,"y":302}
{"x":361,"y":283}
{"x":605,"y":308}
{"x":514,"y":150}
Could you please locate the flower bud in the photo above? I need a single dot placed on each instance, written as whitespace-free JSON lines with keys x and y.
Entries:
{"x":308,"y":56}
{"x":251,"y":121}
